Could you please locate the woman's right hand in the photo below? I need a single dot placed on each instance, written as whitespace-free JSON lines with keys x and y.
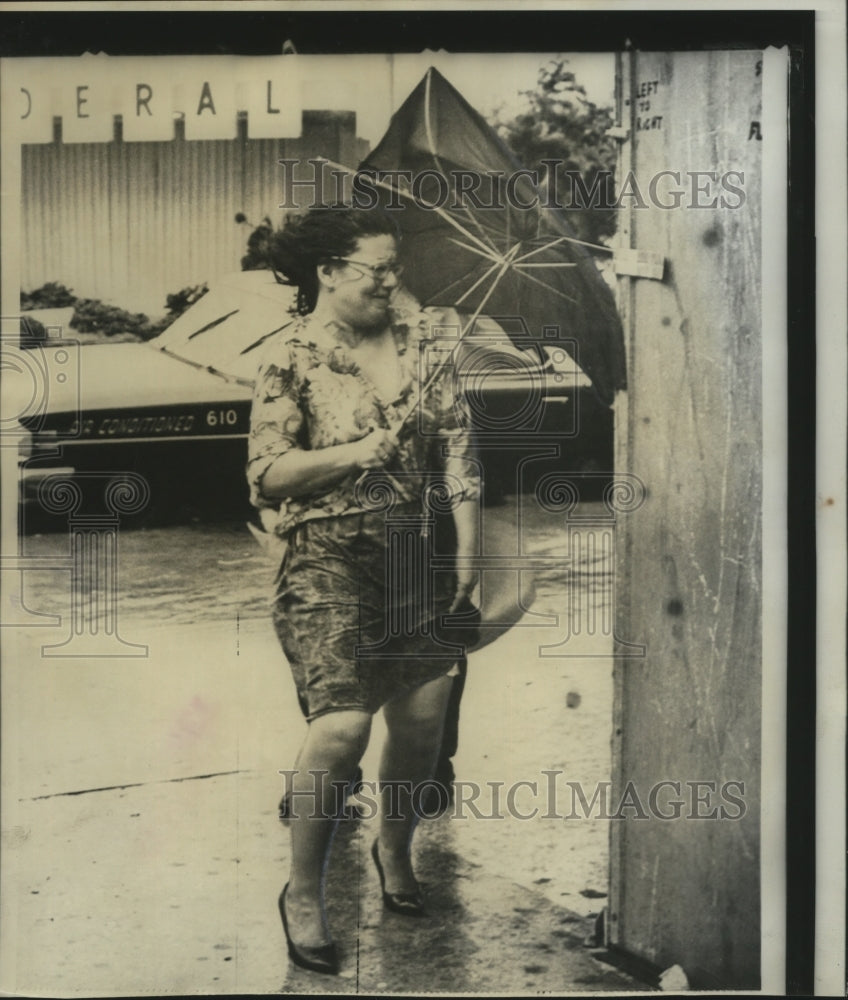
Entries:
{"x":375,"y":449}
{"x":299,"y":472}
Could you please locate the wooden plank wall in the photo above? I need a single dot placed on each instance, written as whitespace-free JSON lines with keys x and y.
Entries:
{"x":686,"y":891}
{"x":130,"y":222}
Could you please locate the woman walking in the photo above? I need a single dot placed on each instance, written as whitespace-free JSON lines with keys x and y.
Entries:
{"x":330,"y":402}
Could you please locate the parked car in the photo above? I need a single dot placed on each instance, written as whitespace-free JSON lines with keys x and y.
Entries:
{"x":177,"y":409}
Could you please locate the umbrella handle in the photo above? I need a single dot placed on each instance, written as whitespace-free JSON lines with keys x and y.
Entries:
{"x":360,"y":480}
{"x":394,"y":431}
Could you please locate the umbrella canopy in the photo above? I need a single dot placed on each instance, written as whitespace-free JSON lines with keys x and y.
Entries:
{"x":477,"y":234}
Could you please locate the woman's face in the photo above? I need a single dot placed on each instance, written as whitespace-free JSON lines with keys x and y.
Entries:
{"x":357,"y":297}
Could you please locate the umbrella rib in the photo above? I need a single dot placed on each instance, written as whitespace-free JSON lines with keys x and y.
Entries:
{"x":553,"y":263}
{"x":452,"y":221}
{"x":487,"y":247}
{"x":506,"y":263}
{"x":437,"y":370}
{"x":479,"y":281}
{"x":458,"y":281}
{"x":446,"y":288}
{"x":565,"y":239}
{"x":545,"y":246}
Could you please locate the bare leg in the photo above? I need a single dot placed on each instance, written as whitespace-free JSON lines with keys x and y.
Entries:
{"x":332,"y":749}
{"x":414,"y":723}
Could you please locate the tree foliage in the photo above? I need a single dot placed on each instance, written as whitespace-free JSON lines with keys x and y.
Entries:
{"x":560,"y":123}
{"x":51,"y":295}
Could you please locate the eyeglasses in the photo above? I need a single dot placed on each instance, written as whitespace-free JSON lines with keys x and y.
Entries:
{"x":379,"y":272}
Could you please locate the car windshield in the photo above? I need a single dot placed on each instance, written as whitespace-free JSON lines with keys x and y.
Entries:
{"x":224,"y":331}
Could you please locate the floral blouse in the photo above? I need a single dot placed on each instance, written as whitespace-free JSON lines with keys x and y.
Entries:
{"x":310,"y":393}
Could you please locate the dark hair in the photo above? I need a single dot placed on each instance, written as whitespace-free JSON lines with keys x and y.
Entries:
{"x":306,"y":241}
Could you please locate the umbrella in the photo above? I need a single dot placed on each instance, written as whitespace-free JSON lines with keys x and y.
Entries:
{"x":470,"y":242}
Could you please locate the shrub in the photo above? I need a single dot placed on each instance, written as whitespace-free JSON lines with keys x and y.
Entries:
{"x":49,"y":296}
{"x":93,"y":316}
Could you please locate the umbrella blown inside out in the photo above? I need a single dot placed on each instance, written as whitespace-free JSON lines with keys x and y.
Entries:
{"x":478,"y":235}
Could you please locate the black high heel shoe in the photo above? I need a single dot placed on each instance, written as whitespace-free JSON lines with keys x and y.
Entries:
{"x":408,"y":904}
{"x":324,"y":958}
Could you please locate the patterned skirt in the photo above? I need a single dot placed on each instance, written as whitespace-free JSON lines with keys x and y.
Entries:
{"x":359,"y":611}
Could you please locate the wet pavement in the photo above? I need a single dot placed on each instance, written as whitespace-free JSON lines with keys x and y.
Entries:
{"x":142,"y":850}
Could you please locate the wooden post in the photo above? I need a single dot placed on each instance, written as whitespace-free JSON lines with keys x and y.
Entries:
{"x":686,"y":740}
